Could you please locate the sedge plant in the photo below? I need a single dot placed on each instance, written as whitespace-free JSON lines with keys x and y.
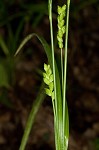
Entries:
{"x":57,"y":88}
{"x":54,"y":78}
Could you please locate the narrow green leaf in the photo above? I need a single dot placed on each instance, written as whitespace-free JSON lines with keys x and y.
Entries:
{"x":36,"y":105}
{"x":3,"y":46}
{"x":49,"y":56}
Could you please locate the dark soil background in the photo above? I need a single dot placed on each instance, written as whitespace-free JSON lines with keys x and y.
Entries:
{"x":82,"y":79}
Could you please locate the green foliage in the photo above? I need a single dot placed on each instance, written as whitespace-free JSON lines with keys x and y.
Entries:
{"x":53,"y":80}
{"x":8,"y":45}
{"x":6,"y":79}
{"x":7,"y":66}
{"x":49,"y":56}
{"x":8,"y":42}
{"x":61,"y":119}
{"x":56,"y":81}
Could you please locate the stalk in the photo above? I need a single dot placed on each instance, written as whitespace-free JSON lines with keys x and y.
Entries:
{"x":62,"y":69}
{"x":65,"y":68}
{"x":53,"y":68}
{"x":52,"y":47}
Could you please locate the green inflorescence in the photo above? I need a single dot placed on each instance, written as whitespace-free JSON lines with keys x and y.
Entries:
{"x":61,"y":26}
{"x":48,"y":80}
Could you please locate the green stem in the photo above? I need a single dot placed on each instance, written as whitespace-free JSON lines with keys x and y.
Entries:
{"x":65,"y":67}
{"x":52,"y":47}
{"x":53,"y":68}
{"x":55,"y":129}
{"x":62,"y":69}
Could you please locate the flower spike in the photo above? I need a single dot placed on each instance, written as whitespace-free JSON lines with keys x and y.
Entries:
{"x":48,"y":79}
{"x":61,"y":26}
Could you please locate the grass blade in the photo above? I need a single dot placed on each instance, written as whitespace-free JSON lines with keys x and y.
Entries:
{"x":36,"y":105}
{"x":3,"y":46}
{"x":49,"y":56}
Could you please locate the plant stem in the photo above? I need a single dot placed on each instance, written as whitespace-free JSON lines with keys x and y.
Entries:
{"x":62,"y":69}
{"x":54,"y":74}
{"x":52,"y":47}
{"x":65,"y":67}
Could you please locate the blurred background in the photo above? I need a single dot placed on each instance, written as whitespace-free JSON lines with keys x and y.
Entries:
{"x":21,"y":76}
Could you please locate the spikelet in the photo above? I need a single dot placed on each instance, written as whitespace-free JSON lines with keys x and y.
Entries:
{"x":48,"y":80}
{"x":61,"y":26}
